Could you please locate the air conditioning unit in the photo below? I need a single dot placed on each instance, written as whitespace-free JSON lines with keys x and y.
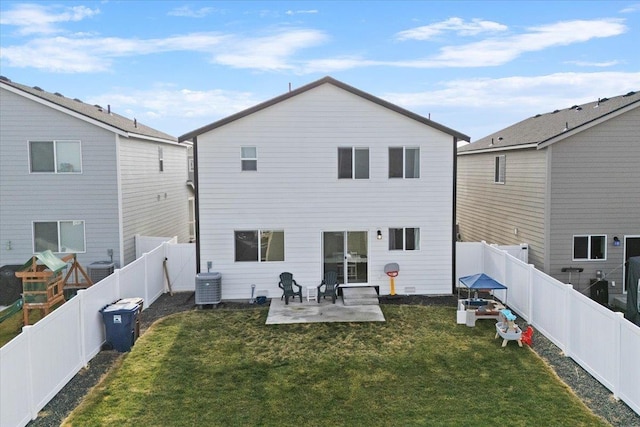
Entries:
{"x":99,"y":270}
{"x":208,"y":288}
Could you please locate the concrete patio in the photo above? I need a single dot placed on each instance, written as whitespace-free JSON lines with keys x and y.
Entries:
{"x":325,"y":311}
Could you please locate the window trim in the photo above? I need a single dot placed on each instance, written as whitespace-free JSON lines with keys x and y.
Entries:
{"x":589,"y":247}
{"x":500,"y":169}
{"x":259,"y":255}
{"x":404,"y":149}
{"x":58,"y":223}
{"x":248,"y":159}
{"x":404,"y":238}
{"x":354,"y":171}
{"x":56,"y":168}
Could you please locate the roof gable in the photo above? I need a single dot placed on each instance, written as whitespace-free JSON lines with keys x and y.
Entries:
{"x":544,"y":129}
{"x":91,"y":113}
{"x":302,"y":89}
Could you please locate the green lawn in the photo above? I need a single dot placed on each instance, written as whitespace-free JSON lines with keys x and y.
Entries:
{"x":227,"y":368}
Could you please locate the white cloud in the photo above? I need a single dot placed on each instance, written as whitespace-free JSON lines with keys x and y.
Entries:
{"x":270,"y":52}
{"x":455,"y":25}
{"x":602,"y":64}
{"x":631,"y":9}
{"x":498,"y":51}
{"x":301,"y":12}
{"x":188,"y":12}
{"x":41,"y":19}
{"x":175,"y":111}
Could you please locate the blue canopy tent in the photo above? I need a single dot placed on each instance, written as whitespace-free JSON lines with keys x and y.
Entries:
{"x":481,"y":281}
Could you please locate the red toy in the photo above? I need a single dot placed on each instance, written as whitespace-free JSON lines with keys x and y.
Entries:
{"x":527,"y":335}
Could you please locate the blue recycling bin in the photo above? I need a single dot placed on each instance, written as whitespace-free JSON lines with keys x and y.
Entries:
{"x":120,"y":322}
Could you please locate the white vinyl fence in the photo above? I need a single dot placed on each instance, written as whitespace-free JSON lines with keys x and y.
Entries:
{"x":603,"y":342}
{"x":39,"y":362}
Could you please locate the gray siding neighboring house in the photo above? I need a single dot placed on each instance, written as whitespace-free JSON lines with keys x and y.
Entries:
{"x":99,"y":182}
{"x":570,"y":185}
{"x":316,"y":194}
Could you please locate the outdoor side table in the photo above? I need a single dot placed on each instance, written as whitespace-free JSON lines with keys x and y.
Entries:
{"x":312,"y":293}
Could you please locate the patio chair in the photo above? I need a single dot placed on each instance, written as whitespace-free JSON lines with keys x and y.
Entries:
{"x":287,"y":283}
{"x":330,"y":283}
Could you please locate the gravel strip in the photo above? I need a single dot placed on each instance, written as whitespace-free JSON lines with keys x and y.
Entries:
{"x":597,"y":397}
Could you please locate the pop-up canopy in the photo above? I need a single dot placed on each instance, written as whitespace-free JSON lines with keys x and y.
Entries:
{"x":481,"y":281}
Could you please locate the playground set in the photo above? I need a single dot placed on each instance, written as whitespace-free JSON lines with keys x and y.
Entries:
{"x":43,"y":283}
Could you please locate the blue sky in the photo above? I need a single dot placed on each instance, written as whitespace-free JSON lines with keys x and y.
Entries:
{"x":473,"y":66}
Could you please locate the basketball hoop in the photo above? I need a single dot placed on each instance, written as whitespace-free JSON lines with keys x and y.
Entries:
{"x":392,"y":270}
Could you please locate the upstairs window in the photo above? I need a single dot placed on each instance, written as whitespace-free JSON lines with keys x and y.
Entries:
{"x":259,"y":245}
{"x":55,"y":157}
{"x":160,"y":159}
{"x":249,"y":161}
{"x":499,"y":169}
{"x":407,"y":239}
{"x":589,"y":248}
{"x":404,"y":162}
{"x":353,"y":163}
{"x":59,"y":236}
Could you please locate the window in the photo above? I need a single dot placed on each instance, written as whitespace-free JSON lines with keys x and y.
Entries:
{"x":404,"y":162}
{"x":55,"y":156}
{"x":588,"y":248}
{"x":499,"y":169}
{"x":59,"y":236}
{"x":407,"y":239}
{"x":249,"y":158}
{"x":353,"y":163}
{"x":160,"y":159}
{"x":271,"y":245}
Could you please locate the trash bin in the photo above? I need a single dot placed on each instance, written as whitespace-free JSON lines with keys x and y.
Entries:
{"x":139,"y":302}
{"x":120,"y":325}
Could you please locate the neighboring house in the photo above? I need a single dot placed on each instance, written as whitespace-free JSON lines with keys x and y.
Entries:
{"x":326,"y":177}
{"x":79,"y":178}
{"x":565,"y":182}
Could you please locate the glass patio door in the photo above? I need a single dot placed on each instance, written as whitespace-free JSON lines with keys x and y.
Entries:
{"x":346,"y":253}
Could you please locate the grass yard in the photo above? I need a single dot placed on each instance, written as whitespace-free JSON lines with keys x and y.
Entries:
{"x":227,"y":368}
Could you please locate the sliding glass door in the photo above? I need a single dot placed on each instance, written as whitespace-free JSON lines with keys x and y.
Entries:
{"x":346,"y":253}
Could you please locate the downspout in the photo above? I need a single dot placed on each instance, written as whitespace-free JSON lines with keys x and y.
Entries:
{"x":453,"y":213}
{"x":197,"y":201}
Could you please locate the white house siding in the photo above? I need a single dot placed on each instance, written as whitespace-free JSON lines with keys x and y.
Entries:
{"x":492,"y":212}
{"x":595,"y":189}
{"x":25,"y":197}
{"x":296,"y":190}
{"x":154,"y":203}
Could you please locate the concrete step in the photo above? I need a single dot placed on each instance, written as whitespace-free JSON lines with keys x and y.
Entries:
{"x":359,"y":296}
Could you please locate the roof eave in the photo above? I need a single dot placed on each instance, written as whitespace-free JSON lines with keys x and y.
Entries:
{"x":588,"y":125}
{"x":498,"y":149}
{"x":65,"y":110}
{"x":302,"y":89}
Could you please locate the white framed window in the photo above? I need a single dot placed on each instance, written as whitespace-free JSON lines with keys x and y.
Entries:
{"x":191,"y":164}
{"x":249,"y":158}
{"x":590,"y":247}
{"x":353,"y":163}
{"x":55,"y":156}
{"x":259,"y":245}
{"x":499,"y":169}
{"x":160,"y":159}
{"x":59,"y":236}
{"x":404,"y":162}
{"x":404,"y":239}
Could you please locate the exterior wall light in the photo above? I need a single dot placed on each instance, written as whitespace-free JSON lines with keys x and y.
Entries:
{"x":379,"y":236}
{"x":616,"y":241}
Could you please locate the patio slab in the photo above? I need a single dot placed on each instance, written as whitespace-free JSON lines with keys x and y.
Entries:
{"x":312,"y":312}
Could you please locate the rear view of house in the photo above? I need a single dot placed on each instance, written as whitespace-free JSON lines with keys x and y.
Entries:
{"x":78,"y":178}
{"x":326,"y":177}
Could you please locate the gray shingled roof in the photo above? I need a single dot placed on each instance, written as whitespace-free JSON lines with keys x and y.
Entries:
{"x":92,"y":111}
{"x":544,"y":127}
{"x":324,"y":80}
